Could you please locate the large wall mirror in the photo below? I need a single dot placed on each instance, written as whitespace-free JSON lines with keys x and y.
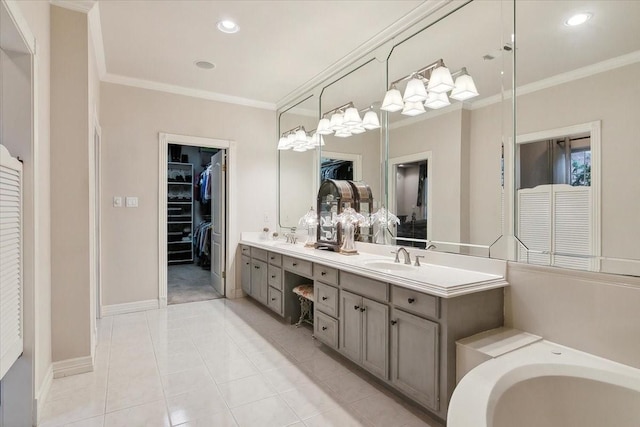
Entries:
{"x":575,"y":186}
{"x":445,"y":144}
{"x":298,"y":166}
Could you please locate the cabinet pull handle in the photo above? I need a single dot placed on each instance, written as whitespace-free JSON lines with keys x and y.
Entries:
{"x":363,"y":309}
{"x":324,"y":298}
{"x":324,"y":273}
{"x":272,"y":257}
{"x":246,"y":263}
{"x":273,"y":299}
{"x":324,"y":328}
{"x":294,"y":264}
{"x":273,"y":276}
{"x":356,"y":307}
{"x":393,"y":322}
{"x":257,"y":267}
{"x":411,"y":300}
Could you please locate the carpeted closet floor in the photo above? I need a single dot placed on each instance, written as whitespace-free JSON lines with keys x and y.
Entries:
{"x":189,"y":283}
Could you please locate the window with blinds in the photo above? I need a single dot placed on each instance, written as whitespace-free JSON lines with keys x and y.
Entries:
{"x":11,"y":275}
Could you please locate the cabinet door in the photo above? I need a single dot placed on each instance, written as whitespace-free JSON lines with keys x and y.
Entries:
{"x":246,"y":275}
{"x":414,"y":357}
{"x":375,"y":337}
{"x":259,"y":285}
{"x":351,"y":325}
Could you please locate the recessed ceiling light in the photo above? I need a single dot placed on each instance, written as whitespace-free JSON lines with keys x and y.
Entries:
{"x":205,"y":65}
{"x":228,"y":26}
{"x":577,"y":19}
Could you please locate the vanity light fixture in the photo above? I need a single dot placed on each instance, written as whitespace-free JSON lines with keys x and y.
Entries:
{"x":578,"y":19}
{"x":346,"y":121}
{"x":438,"y":80}
{"x":298,"y":139}
{"x":228,"y":26}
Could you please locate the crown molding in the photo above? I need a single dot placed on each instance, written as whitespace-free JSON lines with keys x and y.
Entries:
{"x":83,"y":6}
{"x":558,"y":79}
{"x":185,"y":91}
{"x":403,"y":24}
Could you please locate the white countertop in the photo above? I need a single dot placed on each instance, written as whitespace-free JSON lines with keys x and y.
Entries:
{"x":440,"y":280}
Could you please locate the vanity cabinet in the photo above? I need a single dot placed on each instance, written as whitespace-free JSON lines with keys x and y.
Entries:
{"x":415,"y":357}
{"x":404,"y":336}
{"x":246,"y":274}
{"x":364,"y":331}
{"x":259,"y":284}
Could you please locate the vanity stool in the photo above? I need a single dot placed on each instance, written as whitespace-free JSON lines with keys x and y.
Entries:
{"x":305,"y":295}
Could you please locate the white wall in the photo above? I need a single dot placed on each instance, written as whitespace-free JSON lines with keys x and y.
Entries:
{"x":131,"y":120}
{"x":70,"y":182}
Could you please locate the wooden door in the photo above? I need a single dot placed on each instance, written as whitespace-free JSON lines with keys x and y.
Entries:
{"x":351,"y":325}
{"x":246,"y":274}
{"x":259,"y":285}
{"x":218,"y":220}
{"x":375,"y":337}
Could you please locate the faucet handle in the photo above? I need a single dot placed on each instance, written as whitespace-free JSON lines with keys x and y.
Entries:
{"x":397,"y":254}
{"x":417,"y":263}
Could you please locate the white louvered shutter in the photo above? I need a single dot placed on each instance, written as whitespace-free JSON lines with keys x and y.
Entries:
{"x":11,"y":277}
{"x":572,"y":227}
{"x":534,"y":224}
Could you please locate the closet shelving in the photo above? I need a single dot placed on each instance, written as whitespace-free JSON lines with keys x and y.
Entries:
{"x":179,"y":213}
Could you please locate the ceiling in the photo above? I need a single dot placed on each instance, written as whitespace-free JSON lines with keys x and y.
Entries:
{"x":280,"y":46}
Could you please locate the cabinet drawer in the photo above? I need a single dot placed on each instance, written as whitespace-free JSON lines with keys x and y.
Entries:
{"x":326,"y":298}
{"x":275,"y":259}
{"x":245,"y":250}
{"x":326,"y":329}
{"x":275,"y":300}
{"x":260,"y":254}
{"x":364,"y":286}
{"x":417,"y":302}
{"x":296,"y":265}
{"x":275,"y":277}
{"x":325,"y":274}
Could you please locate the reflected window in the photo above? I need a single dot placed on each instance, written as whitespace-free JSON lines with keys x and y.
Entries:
{"x":336,"y":169}
{"x":412,"y":202}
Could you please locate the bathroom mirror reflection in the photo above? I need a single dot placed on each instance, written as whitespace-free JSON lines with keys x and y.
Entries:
{"x":298,"y":169}
{"x":574,"y":192}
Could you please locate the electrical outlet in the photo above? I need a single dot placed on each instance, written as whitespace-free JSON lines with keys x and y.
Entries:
{"x":117,"y":202}
{"x":131,"y":202}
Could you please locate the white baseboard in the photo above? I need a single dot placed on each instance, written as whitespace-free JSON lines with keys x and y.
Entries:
{"x":129,"y":307}
{"x":236,"y":293}
{"x":162,"y":303}
{"x":77,"y":365}
{"x":41,"y":395}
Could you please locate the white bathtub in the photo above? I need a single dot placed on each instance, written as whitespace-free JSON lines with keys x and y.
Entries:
{"x":545,"y":385}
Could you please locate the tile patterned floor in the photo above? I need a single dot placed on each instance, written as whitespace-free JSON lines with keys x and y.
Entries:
{"x":219,"y":363}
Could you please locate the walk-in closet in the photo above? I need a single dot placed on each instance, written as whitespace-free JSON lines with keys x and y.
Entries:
{"x":190,"y":197}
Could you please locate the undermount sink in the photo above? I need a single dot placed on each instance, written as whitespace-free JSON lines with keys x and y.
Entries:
{"x":388,"y":265}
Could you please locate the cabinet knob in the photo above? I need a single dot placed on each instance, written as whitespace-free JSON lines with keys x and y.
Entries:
{"x":257,"y":267}
{"x":273,"y":299}
{"x":272,"y":258}
{"x":324,"y":328}
{"x":324,"y":273}
{"x":273,"y":276}
{"x":363,"y":308}
{"x":411,"y":300}
{"x":294,"y":264}
{"x":325,"y":298}
{"x":356,"y":307}
{"x":393,"y":322}
{"x":246,"y":263}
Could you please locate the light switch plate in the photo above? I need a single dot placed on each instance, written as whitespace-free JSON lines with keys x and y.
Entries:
{"x":131,"y":202}
{"x":117,"y":202}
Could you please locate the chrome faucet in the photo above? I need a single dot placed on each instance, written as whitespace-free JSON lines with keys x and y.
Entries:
{"x":430,"y":246}
{"x":407,"y":256}
{"x":291,"y":237}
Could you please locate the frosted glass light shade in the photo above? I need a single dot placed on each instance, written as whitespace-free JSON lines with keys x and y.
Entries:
{"x":465,"y":88}
{"x":300,"y":148}
{"x":283,"y":144}
{"x":324,"y":127}
{"x":392,"y":101}
{"x":337,"y":122}
{"x":370,"y":120}
{"x":355,"y":130}
{"x":440,"y":81}
{"x":291,"y":140}
{"x":301,"y":137}
{"x":415,"y":91}
{"x":352,"y":117}
{"x":437,"y":100}
{"x":318,"y":140}
{"x":343,"y":133}
{"x":413,"y":108}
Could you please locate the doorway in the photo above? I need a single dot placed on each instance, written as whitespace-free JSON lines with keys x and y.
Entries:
{"x":193,"y":216}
